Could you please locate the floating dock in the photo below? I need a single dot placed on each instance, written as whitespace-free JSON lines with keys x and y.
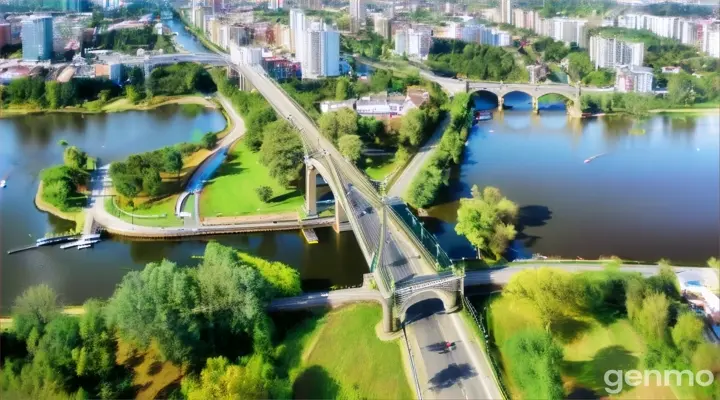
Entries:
{"x":47,"y":241}
{"x":310,"y":235}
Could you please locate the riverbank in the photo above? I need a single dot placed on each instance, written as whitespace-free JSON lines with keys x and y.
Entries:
{"x":119,"y":104}
{"x":76,"y":216}
{"x":6,"y":321}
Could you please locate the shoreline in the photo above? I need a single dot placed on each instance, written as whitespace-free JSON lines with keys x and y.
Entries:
{"x":44,"y":206}
{"x":186,"y":99}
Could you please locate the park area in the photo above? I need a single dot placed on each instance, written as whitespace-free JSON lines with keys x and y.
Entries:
{"x":233,"y":189}
{"x":338,"y":355}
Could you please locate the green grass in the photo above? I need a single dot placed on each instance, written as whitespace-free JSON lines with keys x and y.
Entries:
{"x":340,"y":356}
{"x":163,"y":206}
{"x":380,"y":167}
{"x":590,"y":348}
{"x":231,"y":192}
{"x":189,"y":205}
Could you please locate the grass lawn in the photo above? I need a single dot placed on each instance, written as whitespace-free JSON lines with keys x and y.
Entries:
{"x":380,"y":167}
{"x":340,"y":356}
{"x":590,"y":349}
{"x":163,"y":206}
{"x":231,"y":192}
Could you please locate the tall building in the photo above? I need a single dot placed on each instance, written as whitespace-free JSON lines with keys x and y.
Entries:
{"x":358,"y":14}
{"x":711,"y":44}
{"x":569,"y":31}
{"x":37,"y":38}
{"x":381,"y":25}
{"x":612,"y":52}
{"x":506,"y":16}
{"x":401,"y":42}
{"x":321,"y":57}
{"x":633,"y":79}
{"x":297,"y":29}
{"x":275,"y":4}
{"x":413,"y":42}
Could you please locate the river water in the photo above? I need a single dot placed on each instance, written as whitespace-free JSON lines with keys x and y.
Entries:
{"x":30,"y":143}
{"x":654,"y":193}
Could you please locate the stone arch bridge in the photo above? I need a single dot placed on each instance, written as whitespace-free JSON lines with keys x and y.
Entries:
{"x":571,"y":93}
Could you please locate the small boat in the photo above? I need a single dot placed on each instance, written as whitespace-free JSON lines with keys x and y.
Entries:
{"x":3,"y":183}
{"x":85,"y":246}
{"x":594,"y":157}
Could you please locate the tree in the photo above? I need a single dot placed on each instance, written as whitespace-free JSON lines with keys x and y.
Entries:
{"x":172,"y":161}
{"x":413,"y":126}
{"x":652,"y":318}
{"x":222,"y":380}
{"x":132,"y":93}
{"x":282,"y":153}
{"x":341,"y":89}
{"x":681,"y":89}
{"x":74,"y":157}
{"x":328,"y":125}
{"x":57,"y":193}
{"x":151,"y":182}
{"x":96,"y":356}
{"x":33,"y":310}
{"x":424,"y":189}
{"x":487,"y":220}
{"x":56,"y":347}
{"x":687,"y":334}
{"x":52,"y":94}
{"x":346,"y":122}
{"x":265,"y":193}
{"x":536,"y":361}
{"x":549,"y":290}
{"x":209,"y":140}
{"x":351,"y":147}
{"x":579,"y":65}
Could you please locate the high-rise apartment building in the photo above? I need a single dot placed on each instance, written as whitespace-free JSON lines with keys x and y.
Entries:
{"x":37,"y":38}
{"x":358,"y":14}
{"x":275,"y":4}
{"x":569,"y":31}
{"x":711,"y":42}
{"x":506,"y":14}
{"x":321,"y":56}
{"x":633,"y":79}
{"x":381,"y":25}
{"x":297,"y":29}
{"x":612,"y":52}
{"x":413,"y":42}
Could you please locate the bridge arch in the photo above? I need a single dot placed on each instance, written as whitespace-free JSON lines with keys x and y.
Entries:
{"x":449,"y":300}
{"x":569,"y":101}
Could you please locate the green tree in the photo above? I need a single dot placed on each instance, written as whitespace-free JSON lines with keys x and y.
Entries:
{"x":264,"y":193}
{"x":681,"y":89}
{"x":33,"y":310}
{"x":652,"y":318}
{"x":74,"y":157}
{"x":425,"y":187}
{"x":687,"y":334}
{"x":282,"y":153}
{"x":328,"y":125}
{"x":346,"y":122}
{"x":222,"y":380}
{"x":413,"y":126}
{"x":96,"y":356}
{"x":172,"y":161}
{"x":536,"y":361}
{"x":487,"y":220}
{"x":57,"y":193}
{"x":132,"y":93}
{"x":341,"y":89}
{"x":209,"y":140}
{"x":55,"y":350}
{"x":52,"y":94}
{"x":549,"y":290}
{"x":151,"y":182}
{"x":579,"y":65}
{"x":351,"y":147}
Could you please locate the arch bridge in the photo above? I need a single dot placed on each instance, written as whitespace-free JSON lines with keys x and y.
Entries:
{"x":535,"y":91}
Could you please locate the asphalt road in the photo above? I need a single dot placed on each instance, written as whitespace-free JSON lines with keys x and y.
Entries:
{"x":459,"y":373}
{"x":419,"y":159}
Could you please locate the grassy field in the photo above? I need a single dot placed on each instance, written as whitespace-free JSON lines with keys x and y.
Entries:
{"x":163,"y":206}
{"x":231,"y":192}
{"x":339,"y":356}
{"x":590,"y":349}
{"x":380,"y":167}
{"x":154,"y":378}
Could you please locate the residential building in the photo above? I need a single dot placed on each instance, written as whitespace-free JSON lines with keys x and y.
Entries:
{"x":413,"y":42}
{"x":633,"y":79}
{"x":297,"y":29}
{"x":612,"y":52}
{"x":5,"y":34}
{"x":401,"y":42}
{"x":358,"y":15}
{"x":506,"y":15}
{"x":320,"y":53}
{"x":275,"y":4}
{"x":336,"y":105}
{"x":381,"y":25}
{"x":711,"y":44}
{"x":198,"y":16}
{"x":569,"y":31}
{"x":37,"y":38}
{"x":485,"y":35}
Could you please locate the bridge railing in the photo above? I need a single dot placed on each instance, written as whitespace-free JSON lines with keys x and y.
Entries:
{"x":423,"y":238}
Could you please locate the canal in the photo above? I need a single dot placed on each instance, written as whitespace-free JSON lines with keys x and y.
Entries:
{"x":30,"y":143}
{"x":654,"y":193}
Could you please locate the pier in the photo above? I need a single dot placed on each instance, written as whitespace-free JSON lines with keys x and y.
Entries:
{"x":310,"y":235}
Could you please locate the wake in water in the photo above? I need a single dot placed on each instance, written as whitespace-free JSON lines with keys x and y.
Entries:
{"x":594,"y":157}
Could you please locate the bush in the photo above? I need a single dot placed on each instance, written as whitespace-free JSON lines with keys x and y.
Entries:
{"x":265,"y":193}
{"x":209,"y":140}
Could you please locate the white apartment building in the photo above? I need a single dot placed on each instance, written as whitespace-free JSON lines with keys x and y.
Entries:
{"x":711,"y":42}
{"x":612,"y":52}
{"x":569,"y":31}
{"x":633,"y":79}
{"x":297,"y":29}
{"x":381,"y":25}
{"x":275,"y":4}
{"x":413,"y":42}
{"x":358,"y":14}
{"x":506,"y":14}
{"x":321,"y":51}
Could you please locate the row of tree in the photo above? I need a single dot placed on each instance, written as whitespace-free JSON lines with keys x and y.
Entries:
{"x":197,"y":318}
{"x":140,"y":173}
{"x":53,"y":95}
{"x":474,"y":61}
{"x":130,"y":40}
{"x":426,"y":186}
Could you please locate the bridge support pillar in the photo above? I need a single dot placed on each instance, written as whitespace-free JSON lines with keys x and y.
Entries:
{"x":340,"y":216}
{"x":574,"y":110}
{"x":501,"y":102}
{"x":387,"y":316}
{"x":310,"y":190}
{"x":535,"y":105}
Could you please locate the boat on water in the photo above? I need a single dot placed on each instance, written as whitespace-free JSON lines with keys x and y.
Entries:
{"x":84,"y":246}
{"x":594,"y":157}
{"x":483,"y":116}
{"x":3,"y":183}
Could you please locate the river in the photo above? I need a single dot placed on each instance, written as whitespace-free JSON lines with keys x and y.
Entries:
{"x":30,"y":143}
{"x":654,"y":193}
{"x":184,"y":38}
